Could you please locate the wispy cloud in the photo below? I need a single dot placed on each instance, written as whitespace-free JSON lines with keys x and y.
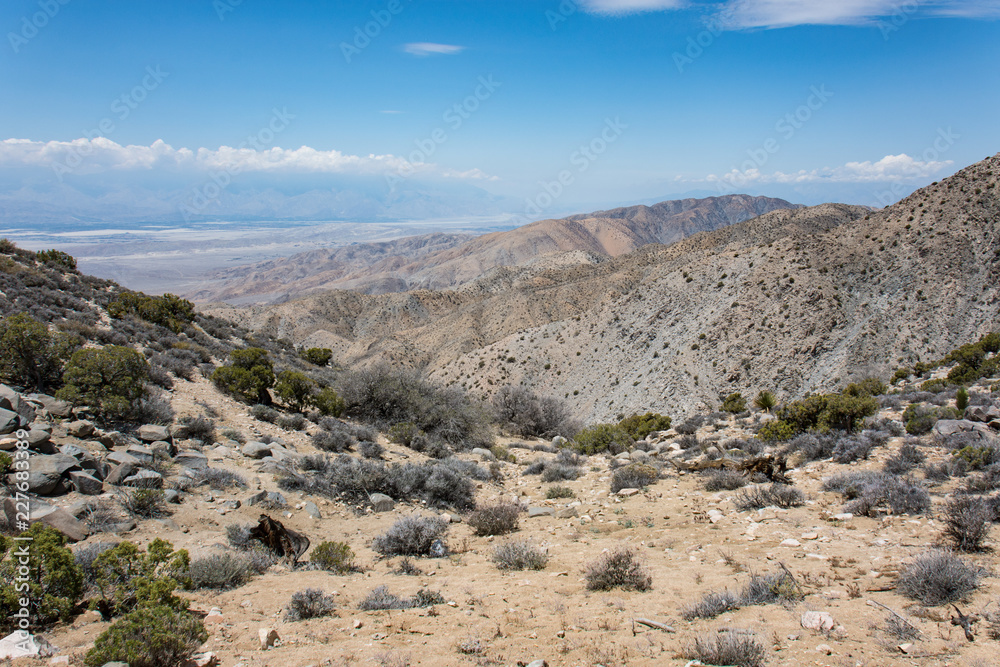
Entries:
{"x":629,"y":6}
{"x":888,"y":169}
{"x":741,"y":14}
{"x":102,"y":155}
{"x":423,"y":49}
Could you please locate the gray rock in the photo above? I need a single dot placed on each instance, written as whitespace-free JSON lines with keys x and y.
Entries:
{"x":567,"y":513}
{"x":949,"y":427}
{"x":381,"y":502}
{"x":539,"y":511}
{"x":256,"y":450}
{"x":192,"y":460}
{"x":820,"y":621}
{"x":120,"y":473}
{"x":639,"y":455}
{"x":982,"y":413}
{"x":85,"y":483}
{"x":484,"y":454}
{"x":143,"y":455}
{"x":172,"y":496}
{"x":50,"y":515}
{"x":559,"y":442}
{"x":438,"y":549}
{"x":11,"y":400}
{"x":162,"y":448}
{"x":272,"y":498}
{"x":122,"y":457}
{"x":533,"y":663}
{"x":232,"y":504}
{"x":179,"y":431}
{"x":10,"y":421}
{"x":77,"y":453}
{"x":81,"y":428}
{"x":145,"y":479}
{"x":153,"y":432}
{"x":113,"y":439}
{"x":312,"y":510}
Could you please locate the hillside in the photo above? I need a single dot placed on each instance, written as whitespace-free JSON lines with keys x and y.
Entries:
{"x":791,"y":301}
{"x":440,"y":261}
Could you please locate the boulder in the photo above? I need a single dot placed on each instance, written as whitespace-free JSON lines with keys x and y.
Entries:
{"x":85,"y":483}
{"x":311,"y":509}
{"x":10,"y":421}
{"x":143,"y":455}
{"x":46,"y":471}
{"x":256,"y":450}
{"x":268,"y":637}
{"x":948,"y":427}
{"x":39,"y":439}
{"x":81,"y":428}
{"x":162,"y":448}
{"x":539,"y":511}
{"x":50,"y":515}
{"x":820,"y":621}
{"x":172,"y":496}
{"x":191,"y":459}
{"x":482,"y":453}
{"x":145,"y":479}
{"x":122,"y":457}
{"x":113,"y":439}
{"x":381,"y":502}
{"x":11,"y":400}
{"x":120,"y":473}
{"x":153,"y":432}
{"x":52,"y":405}
{"x":982,"y":413}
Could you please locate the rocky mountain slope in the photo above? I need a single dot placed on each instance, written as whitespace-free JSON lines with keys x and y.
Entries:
{"x":791,"y":301}
{"x":441,"y":261}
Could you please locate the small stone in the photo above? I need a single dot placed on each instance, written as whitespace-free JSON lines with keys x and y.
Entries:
{"x":561,"y":634}
{"x":80,"y":429}
{"x":208,"y":659}
{"x":232,"y":504}
{"x":585,"y":519}
{"x":626,"y":493}
{"x":846,"y":516}
{"x":153,"y":432}
{"x":790,"y":543}
{"x":86,"y":484}
{"x":268,"y":637}
{"x":312,"y":510}
{"x":145,"y":479}
{"x":824,"y":649}
{"x":567,"y":513}
{"x":539,"y":511}
{"x":810,"y":536}
{"x":143,"y":454}
{"x":538,"y":663}
{"x":172,"y":496}
{"x":357,"y":624}
{"x":905,"y":648}
{"x":256,"y":450}
{"x":381,"y":502}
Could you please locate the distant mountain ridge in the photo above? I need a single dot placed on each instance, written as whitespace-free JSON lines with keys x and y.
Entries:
{"x":446,"y":261}
{"x":792,"y":301}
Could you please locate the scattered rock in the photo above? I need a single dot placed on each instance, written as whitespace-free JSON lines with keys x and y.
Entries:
{"x":626,"y":493}
{"x":906,"y":648}
{"x":172,"y":496}
{"x":10,"y":421}
{"x":381,"y":502}
{"x":820,"y":621}
{"x":145,"y":479}
{"x":945,"y":428}
{"x":312,"y":510}
{"x":982,"y":413}
{"x":85,"y":483}
{"x":256,"y":450}
{"x":567,"y":513}
{"x":484,"y":454}
{"x":268,"y":637}
{"x":143,"y":455}
{"x":120,"y":473}
{"x":790,"y":543}
{"x":81,"y":428}
{"x":153,"y":432}
{"x":122,"y":457}
{"x":20,"y":644}
{"x":824,"y":649}
{"x":539,"y":511}
{"x":192,"y":460}
{"x":208,"y":659}
{"x":272,"y":498}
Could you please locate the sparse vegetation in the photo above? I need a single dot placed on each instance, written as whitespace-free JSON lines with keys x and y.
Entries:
{"x":618,"y":568}
{"x":734,"y":648}
{"x":310,"y":603}
{"x":557,"y":491}
{"x":938,"y":577}
{"x":142,"y":503}
{"x":412,"y":536}
{"x":520,"y":411}
{"x":317,"y":356}
{"x":734,"y":403}
{"x":497,"y":518}
{"x":336,"y":557}
{"x":521,"y":554}
{"x":221,"y":571}
{"x":380,"y":598}
{"x":967,"y":521}
{"x":633,"y":476}
{"x":759,"y":589}
{"x":768,"y":495}
{"x":872,"y":493}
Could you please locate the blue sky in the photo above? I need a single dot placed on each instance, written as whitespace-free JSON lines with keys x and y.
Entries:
{"x":621,"y":100}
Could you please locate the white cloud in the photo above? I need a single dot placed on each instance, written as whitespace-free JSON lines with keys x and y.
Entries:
{"x":889,"y":169}
{"x":739,"y":14}
{"x":629,"y":6}
{"x":422,"y":49}
{"x":92,"y":156}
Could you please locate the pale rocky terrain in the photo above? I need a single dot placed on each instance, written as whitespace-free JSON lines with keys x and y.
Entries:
{"x":441,"y":261}
{"x":690,"y":540}
{"x":791,"y":301}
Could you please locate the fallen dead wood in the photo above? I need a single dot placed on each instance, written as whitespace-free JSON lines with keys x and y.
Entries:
{"x":651,"y":624}
{"x":873,"y":603}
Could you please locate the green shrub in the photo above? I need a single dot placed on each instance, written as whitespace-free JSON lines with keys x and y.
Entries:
{"x":557,"y":491}
{"x":294,"y":389}
{"x":403,"y":433}
{"x":5,"y":463}
{"x":149,"y":636}
{"x":610,"y":438}
{"x":920,"y":419}
{"x":867,"y":387}
{"x":30,"y":356}
{"x":54,"y":581}
{"x":143,"y":503}
{"x":333,"y":557}
{"x":639,"y":426}
{"x":168,"y":310}
{"x":328,"y":402}
{"x":776,"y":431}
{"x":57,"y":258}
{"x":318,"y":356}
{"x":248,"y":376}
{"x":734,"y":403}
{"x":962,"y":399}
{"x":936,"y":385}
{"x":111,"y":380}
{"x":765,"y":400}
{"x":826,"y":411}
{"x":127,"y":578}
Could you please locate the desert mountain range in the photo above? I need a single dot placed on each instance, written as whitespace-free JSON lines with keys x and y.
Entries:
{"x":440,"y":261}
{"x":792,"y":300}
